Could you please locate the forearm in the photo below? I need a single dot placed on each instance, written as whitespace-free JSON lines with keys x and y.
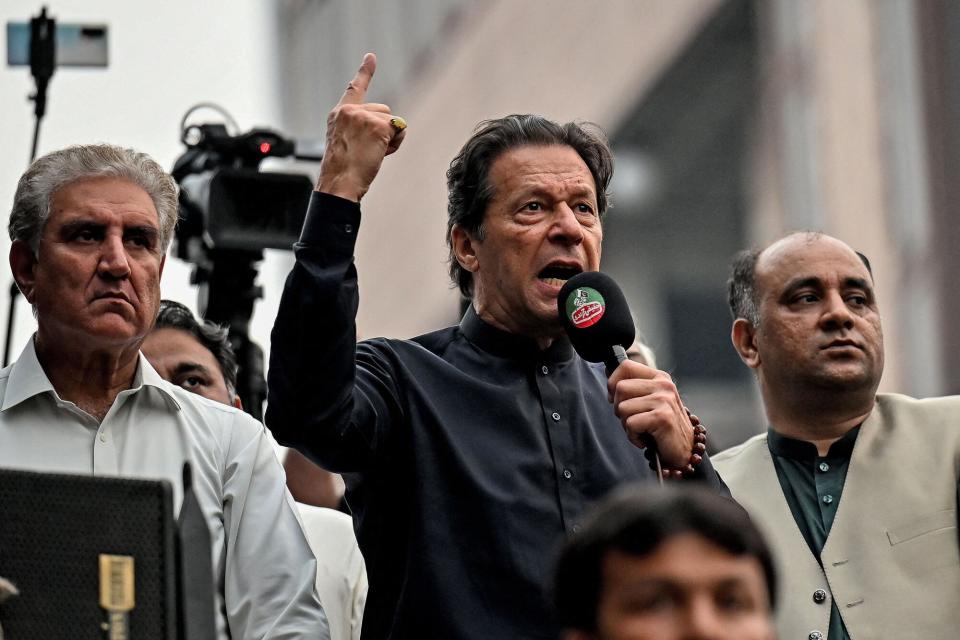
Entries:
{"x":310,"y":484}
{"x":312,"y":369}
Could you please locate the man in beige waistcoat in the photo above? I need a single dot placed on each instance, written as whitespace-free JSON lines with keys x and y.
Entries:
{"x":856,"y":491}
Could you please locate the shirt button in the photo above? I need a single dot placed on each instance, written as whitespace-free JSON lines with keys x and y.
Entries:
{"x":348,"y":228}
{"x":819,"y":596}
{"x":556,"y":416}
{"x":815,"y":635}
{"x":544,"y":370}
{"x":103,"y":437}
{"x":824,"y":467}
{"x":827,"y":499}
{"x":567,"y":474}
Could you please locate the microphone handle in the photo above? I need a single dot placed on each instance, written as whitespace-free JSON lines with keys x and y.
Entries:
{"x":617,"y":355}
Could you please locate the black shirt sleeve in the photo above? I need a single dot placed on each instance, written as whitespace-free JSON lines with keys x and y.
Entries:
{"x":315,"y":402}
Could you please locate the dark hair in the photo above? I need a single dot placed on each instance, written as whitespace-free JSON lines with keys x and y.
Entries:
{"x":468,"y":187}
{"x":174,"y":315}
{"x":636,"y":521}
{"x":742,"y":285}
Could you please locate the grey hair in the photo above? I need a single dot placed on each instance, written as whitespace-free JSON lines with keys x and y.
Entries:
{"x":742,"y":287}
{"x":55,"y":170}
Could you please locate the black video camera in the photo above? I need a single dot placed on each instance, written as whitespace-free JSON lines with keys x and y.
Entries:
{"x":230,"y":211}
{"x":226,"y":202}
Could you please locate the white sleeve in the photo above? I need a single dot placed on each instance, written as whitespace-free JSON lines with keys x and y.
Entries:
{"x":341,"y":572}
{"x":359,"y":581}
{"x":270,"y":570}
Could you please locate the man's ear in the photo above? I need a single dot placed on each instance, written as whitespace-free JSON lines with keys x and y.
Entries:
{"x":744,"y":337}
{"x":464,"y":248}
{"x":23,"y":264}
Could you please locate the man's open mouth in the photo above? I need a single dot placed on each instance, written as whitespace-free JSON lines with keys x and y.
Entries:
{"x":557,"y":275}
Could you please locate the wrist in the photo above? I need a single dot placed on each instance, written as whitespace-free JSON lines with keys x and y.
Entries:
{"x":342,"y":187}
{"x":697,"y":452}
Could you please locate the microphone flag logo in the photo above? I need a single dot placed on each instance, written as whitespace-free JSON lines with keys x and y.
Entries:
{"x":585,"y":307}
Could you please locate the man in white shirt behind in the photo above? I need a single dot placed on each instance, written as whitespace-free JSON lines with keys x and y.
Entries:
{"x":89,"y":228}
{"x":198,"y":356}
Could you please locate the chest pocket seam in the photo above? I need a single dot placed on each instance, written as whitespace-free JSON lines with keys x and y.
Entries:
{"x":930,"y":523}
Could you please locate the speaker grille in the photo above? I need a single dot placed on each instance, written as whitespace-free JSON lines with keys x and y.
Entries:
{"x":54,"y":527}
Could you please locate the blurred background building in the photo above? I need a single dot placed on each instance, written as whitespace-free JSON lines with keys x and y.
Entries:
{"x":733,"y":121}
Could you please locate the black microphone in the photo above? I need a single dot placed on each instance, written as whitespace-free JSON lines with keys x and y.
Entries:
{"x":597,"y":319}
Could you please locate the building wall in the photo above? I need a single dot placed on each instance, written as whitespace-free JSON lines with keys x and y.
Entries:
{"x":841,"y":147}
{"x":565,"y":60}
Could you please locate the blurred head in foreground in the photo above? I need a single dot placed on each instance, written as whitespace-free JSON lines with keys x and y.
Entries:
{"x":666,"y":564}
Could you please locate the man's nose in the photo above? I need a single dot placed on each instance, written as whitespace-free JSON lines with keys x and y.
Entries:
{"x":703,"y":621}
{"x":114,"y":262}
{"x":836,"y":313}
{"x":566,"y":227}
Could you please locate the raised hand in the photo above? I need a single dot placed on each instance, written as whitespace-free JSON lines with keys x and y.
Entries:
{"x":359,"y":136}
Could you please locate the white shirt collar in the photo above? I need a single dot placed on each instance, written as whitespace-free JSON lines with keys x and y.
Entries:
{"x":27,"y":379}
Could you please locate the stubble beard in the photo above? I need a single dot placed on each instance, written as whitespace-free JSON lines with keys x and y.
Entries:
{"x":825,"y":390}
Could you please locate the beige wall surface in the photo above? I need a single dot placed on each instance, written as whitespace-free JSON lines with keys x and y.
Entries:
{"x":852,"y":166}
{"x":567,"y":61}
{"x":840,"y":150}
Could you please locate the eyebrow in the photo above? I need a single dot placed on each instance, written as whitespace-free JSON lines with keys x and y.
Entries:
{"x":144,"y":230}
{"x":671,"y":582}
{"x":73,"y":226}
{"x":538,"y":190}
{"x":732,"y":582}
{"x":800,"y":283}
{"x":190,"y":367}
{"x":857,"y":283}
{"x":583,"y":190}
{"x":814,"y":282}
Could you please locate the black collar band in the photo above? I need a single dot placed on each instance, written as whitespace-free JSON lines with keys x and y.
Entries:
{"x":511,"y":345}
{"x":781,"y":445}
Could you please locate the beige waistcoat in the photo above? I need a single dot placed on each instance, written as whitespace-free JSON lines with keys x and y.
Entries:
{"x":892,"y":559}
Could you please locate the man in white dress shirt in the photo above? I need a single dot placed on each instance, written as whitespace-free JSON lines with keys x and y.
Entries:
{"x":89,"y":230}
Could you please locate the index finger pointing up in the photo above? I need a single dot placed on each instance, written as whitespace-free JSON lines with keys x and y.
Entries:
{"x":357,"y":89}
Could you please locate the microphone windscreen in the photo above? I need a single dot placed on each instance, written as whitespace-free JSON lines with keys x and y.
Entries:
{"x":595,"y":314}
